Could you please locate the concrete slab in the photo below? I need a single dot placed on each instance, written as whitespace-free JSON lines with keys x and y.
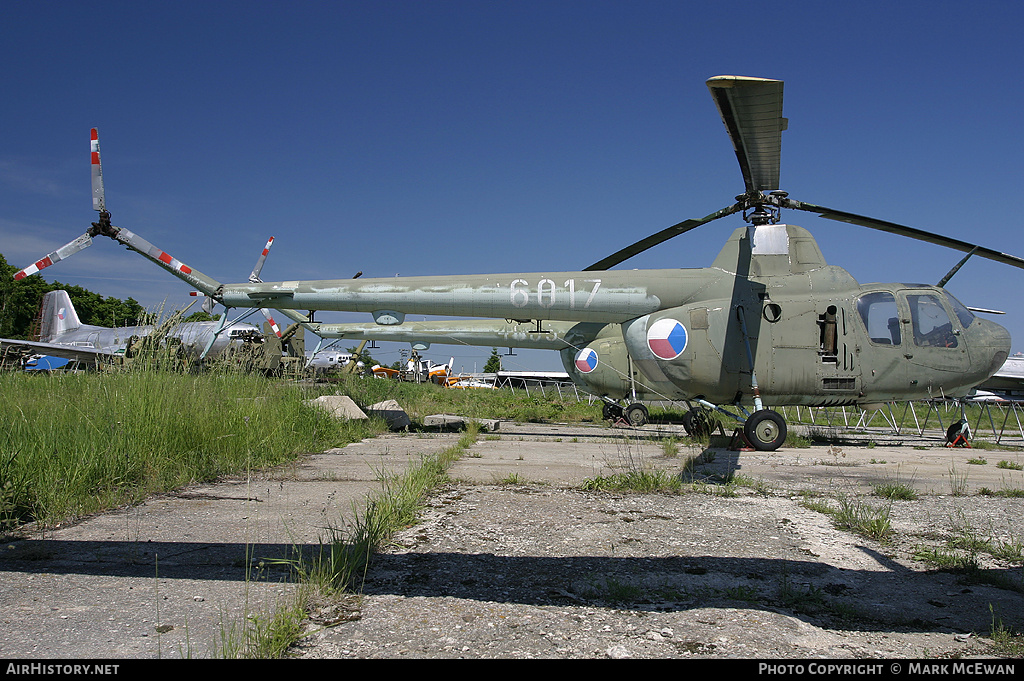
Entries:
{"x":568,"y":454}
{"x":392,"y":413}
{"x":339,"y":406}
{"x":172,"y":576}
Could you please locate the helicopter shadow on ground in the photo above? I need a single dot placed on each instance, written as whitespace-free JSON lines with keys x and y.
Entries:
{"x":862,"y":600}
{"x":856,"y":600}
{"x":224,"y":561}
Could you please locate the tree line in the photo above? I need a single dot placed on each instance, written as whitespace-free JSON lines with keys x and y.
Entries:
{"x":20,"y":301}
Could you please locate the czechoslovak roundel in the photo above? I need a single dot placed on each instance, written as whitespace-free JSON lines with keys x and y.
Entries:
{"x":666,"y":338}
{"x":586,"y":360}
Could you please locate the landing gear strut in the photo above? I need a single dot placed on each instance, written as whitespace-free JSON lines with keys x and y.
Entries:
{"x":765,"y":430}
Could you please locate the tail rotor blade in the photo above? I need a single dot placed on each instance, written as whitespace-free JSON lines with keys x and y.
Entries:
{"x":126,"y":237}
{"x":208,"y":302}
{"x":99,"y":202}
{"x":84,"y":241}
{"x":165,"y":260}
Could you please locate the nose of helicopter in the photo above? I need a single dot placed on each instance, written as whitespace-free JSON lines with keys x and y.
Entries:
{"x":993,"y":343}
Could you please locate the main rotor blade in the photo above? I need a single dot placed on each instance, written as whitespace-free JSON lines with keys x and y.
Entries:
{"x":270,"y":319}
{"x":65,"y":251}
{"x":751,"y":109}
{"x":902,"y":230}
{"x":659,"y":237}
{"x":99,"y":201}
{"x":255,"y":276}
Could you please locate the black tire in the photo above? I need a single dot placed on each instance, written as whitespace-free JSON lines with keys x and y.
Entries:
{"x":636,"y":414}
{"x":697,"y":423}
{"x":610,"y":412}
{"x":765,"y":430}
{"x":955,"y":430}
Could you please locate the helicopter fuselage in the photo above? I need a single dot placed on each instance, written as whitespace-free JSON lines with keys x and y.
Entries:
{"x":769,"y":318}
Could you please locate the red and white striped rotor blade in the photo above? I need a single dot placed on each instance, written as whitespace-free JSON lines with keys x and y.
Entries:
{"x":273,"y":324}
{"x":165,"y":260}
{"x":99,"y":202}
{"x":61,"y":253}
{"x":255,"y":276}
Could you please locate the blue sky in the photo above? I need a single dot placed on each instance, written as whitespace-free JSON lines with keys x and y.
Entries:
{"x":440,"y":136}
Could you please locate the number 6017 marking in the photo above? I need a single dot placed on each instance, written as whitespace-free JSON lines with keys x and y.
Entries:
{"x":548,"y":292}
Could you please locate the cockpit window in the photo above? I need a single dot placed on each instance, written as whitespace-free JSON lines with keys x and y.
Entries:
{"x":960,"y":310}
{"x":932,"y":326}
{"x":881,"y":317}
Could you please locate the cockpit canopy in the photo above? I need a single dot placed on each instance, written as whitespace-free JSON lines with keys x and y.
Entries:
{"x":930,"y":323}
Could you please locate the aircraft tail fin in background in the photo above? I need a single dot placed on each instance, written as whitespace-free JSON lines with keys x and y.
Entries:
{"x":58,"y":316}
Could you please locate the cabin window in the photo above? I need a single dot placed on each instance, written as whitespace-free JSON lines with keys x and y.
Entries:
{"x":881,"y":317}
{"x":931,"y":325}
{"x":960,"y":310}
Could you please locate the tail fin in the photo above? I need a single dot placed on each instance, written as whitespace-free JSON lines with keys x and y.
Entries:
{"x":58,"y":317}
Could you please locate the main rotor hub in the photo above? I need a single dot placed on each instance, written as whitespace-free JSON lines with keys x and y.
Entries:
{"x":763,"y":209}
{"x":761,"y":216}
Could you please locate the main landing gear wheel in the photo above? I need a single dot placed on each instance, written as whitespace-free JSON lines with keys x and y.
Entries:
{"x":698,"y":423}
{"x":610,"y":412}
{"x":636,"y":414}
{"x":765,"y":430}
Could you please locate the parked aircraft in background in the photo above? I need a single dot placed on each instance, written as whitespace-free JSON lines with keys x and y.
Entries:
{"x":63,"y":335}
{"x":326,"y":360}
{"x":1007,"y":384}
{"x":418,"y":369}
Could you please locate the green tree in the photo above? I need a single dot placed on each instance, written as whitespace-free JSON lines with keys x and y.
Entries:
{"x":493,"y":362}
{"x":19,"y":301}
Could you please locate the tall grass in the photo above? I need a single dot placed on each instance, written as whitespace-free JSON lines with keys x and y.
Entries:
{"x":74,"y":444}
